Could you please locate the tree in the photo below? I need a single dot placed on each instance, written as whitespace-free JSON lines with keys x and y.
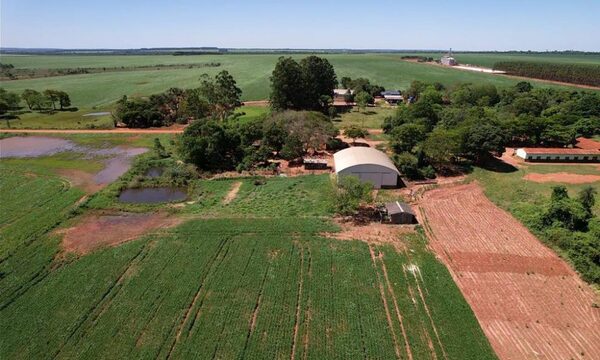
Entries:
{"x":523,"y":87}
{"x":222,"y":94}
{"x":349,"y":193}
{"x":11,"y":100}
{"x":406,"y":136}
{"x":53,"y":97}
{"x":63,"y":99}
{"x":355,"y":132}
{"x":587,"y":198}
{"x":442,"y":146}
{"x":483,"y":139}
{"x":346,"y":82}
{"x":31,"y":97}
{"x":210,"y":146}
{"x":287,"y":85}
{"x":564,"y":211}
{"x":362,"y":99}
{"x":319,"y":80}
{"x":559,"y":193}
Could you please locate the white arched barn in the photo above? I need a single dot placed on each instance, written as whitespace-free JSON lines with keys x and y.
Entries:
{"x":368,"y":164}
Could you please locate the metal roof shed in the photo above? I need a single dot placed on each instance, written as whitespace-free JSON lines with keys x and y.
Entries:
{"x":368,"y":164}
{"x":400,"y":213}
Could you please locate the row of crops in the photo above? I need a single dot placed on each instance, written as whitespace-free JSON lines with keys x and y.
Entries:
{"x":225,"y":288}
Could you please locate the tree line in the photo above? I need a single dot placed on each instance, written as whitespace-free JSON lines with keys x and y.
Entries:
{"x":46,"y":100}
{"x":216,"y":97}
{"x":445,"y":127}
{"x":584,"y":74}
{"x":570,"y":224}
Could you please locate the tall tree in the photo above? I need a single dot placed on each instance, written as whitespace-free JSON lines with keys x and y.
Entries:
{"x":64,"y":100}
{"x":287,"y":85}
{"x":222,"y":94}
{"x":53,"y":97}
{"x":30,"y":96}
{"x":319,"y":80}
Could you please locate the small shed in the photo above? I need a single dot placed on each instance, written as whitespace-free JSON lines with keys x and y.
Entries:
{"x":400,"y":213}
{"x":367,"y":164}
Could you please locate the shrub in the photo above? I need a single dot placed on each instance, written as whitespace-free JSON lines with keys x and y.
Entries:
{"x":349,"y":193}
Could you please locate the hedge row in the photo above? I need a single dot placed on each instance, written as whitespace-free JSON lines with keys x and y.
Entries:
{"x":584,"y":74}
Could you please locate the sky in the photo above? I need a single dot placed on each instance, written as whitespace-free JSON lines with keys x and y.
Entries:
{"x":536,"y":25}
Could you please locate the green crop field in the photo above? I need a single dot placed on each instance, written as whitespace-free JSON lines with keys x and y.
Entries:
{"x":252,"y":73}
{"x":255,"y":278}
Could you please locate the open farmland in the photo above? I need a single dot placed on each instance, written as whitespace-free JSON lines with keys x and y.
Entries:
{"x":257,"y":276}
{"x":252,"y":73}
{"x":530,"y":303}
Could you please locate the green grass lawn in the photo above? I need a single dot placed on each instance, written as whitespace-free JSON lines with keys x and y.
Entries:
{"x":59,"y":120}
{"x":251,"y":279}
{"x":370,"y":118}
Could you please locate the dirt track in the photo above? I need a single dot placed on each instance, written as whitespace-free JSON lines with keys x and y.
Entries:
{"x":529,"y":302}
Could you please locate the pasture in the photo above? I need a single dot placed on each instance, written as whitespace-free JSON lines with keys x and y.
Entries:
{"x":256,"y":277}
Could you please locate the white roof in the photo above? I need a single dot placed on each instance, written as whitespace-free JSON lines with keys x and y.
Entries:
{"x":342,"y":91}
{"x":359,"y":155}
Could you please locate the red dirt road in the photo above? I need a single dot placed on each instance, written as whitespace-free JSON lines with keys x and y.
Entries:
{"x":562,"y":177}
{"x":529,"y":302}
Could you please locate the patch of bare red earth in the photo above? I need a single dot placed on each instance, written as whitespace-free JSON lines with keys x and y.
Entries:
{"x":529,"y":302}
{"x":100,"y":230}
{"x":562,"y":177}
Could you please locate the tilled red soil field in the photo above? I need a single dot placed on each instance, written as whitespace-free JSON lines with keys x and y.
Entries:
{"x":529,"y":302}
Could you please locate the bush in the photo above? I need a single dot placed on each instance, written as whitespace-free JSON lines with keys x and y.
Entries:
{"x":349,"y":193}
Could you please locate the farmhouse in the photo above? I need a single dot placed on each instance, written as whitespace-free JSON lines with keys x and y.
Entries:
{"x":368,"y":164}
{"x":559,"y":154}
{"x":392,"y":96}
{"x":400,"y":213}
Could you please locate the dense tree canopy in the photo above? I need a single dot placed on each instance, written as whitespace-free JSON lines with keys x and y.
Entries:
{"x":307,"y":85}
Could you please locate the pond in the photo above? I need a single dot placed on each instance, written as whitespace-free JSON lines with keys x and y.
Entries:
{"x":152,"y":195}
{"x":33,"y":146}
{"x":117,"y":159}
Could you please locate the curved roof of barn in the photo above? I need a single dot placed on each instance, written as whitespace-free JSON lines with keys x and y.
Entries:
{"x":358,"y":155}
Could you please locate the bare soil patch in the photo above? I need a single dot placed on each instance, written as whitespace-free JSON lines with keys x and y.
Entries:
{"x":372,"y":233}
{"x":81,"y":179}
{"x":589,"y":144}
{"x":263,"y":103}
{"x":529,"y":302}
{"x":562,"y":177}
{"x":235,"y":188}
{"x":99,"y":230}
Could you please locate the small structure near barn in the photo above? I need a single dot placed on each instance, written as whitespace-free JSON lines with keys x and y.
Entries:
{"x":315,"y":163}
{"x":400,"y":213}
{"x":392,"y":96}
{"x":369,"y":165}
{"x":559,"y":155}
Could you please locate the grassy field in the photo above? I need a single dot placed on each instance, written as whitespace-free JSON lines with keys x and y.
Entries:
{"x":59,"y":120}
{"x":370,"y":118}
{"x":252,"y":72}
{"x":254,"y":278}
{"x":522,"y":197}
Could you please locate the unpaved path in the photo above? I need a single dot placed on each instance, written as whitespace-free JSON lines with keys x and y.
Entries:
{"x":235,"y":188}
{"x":562,"y":177}
{"x":529,"y":302}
